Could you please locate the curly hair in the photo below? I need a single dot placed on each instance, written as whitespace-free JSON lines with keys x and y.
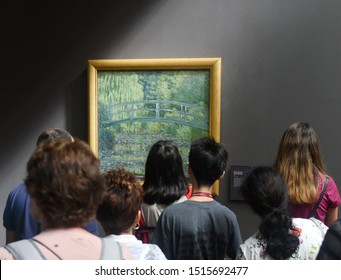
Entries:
{"x":122,"y":202}
{"x":164,"y":180}
{"x":65,"y":181}
{"x":266,"y":192}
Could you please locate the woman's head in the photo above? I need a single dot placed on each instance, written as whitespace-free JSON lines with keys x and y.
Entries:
{"x":64,"y":181}
{"x":119,"y":210}
{"x":299,"y":146}
{"x":164,"y":180}
{"x":266,"y":192}
{"x":299,"y":161}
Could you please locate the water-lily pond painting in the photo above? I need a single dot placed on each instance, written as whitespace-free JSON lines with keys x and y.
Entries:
{"x":135,"y":103}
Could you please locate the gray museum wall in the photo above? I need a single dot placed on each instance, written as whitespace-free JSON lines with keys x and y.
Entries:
{"x":281,"y":63}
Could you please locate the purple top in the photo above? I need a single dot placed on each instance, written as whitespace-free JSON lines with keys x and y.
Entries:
{"x":331,"y":199}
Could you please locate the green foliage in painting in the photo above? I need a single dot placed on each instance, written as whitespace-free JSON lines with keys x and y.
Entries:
{"x":138,"y":108}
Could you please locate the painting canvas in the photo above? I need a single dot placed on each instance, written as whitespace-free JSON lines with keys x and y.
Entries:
{"x":135,"y":103}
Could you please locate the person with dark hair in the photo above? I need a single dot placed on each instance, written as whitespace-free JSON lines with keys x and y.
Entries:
{"x":119,"y":214}
{"x":299,"y":160}
{"x":200,"y":228}
{"x":66,"y":187}
{"x":17,"y":218}
{"x":331,"y":245}
{"x":280,"y":237}
{"x":53,"y":134}
{"x":164,"y":182}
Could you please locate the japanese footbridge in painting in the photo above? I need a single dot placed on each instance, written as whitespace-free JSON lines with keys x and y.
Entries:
{"x":157,"y":111}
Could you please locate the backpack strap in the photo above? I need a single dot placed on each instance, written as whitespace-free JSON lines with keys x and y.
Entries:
{"x":312,"y":212}
{"x":27,"y":250}
{"x":24,"y":250}
{"x":318,"y":223}
{"x":111,"y":250}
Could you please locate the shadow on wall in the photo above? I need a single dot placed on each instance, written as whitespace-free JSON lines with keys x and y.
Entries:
{"x":76,"y":102}
{"x":50,"y":43}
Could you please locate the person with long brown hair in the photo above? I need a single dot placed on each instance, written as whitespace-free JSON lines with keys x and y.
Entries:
{"x":299,"y":160}
{"x":280,"y":237}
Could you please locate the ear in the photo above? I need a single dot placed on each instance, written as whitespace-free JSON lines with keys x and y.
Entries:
{"x":222,"y":175}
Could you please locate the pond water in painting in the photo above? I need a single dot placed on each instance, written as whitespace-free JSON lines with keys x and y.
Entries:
{"x":138,"y":108}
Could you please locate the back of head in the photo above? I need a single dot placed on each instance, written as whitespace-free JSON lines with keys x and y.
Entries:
{"x":53,"y":134}
{"x":122,"y":202}
{"x":64,"y":179}
{"x":266,"y":192}
{"x":164,"y":180}
{"x":299,"y":160}
{"x":208,"y":160}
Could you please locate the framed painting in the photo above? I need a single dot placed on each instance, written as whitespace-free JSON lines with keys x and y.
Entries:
{"x":134,"y":103}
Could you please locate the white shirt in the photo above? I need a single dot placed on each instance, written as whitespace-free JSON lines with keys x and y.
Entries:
{"x":311,"y":234}
{"x":139,"y":250}
{"x":151,"y":213}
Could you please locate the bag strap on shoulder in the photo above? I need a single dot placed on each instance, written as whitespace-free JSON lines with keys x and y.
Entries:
{"x":318,"y":223}
{"x":27,"y":250}
{"x":312,"y":212}
{"x":24,"y":250}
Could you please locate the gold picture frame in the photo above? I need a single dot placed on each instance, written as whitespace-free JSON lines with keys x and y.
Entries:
{"x":122,"y":91}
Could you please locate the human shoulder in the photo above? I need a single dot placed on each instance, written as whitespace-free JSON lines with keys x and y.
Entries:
{"x":152,"y":207}
{"x":139,"y":250}
{"x":181,"y":199}
{"x":253,"y":248}
{"x":151,"y":213}
{"x":312,"y":227}
{"x":331,"y":186}
{"x":178,"y":205}
{"x":176,"y":210}
{"x":16,"y":204}
{"x":155,"y":253}
{"x":224,"y":209}
{"x":333,"y":194}
{"x":19,"y":190}
{"x":256,"y":237}
{"x":5,"y":255}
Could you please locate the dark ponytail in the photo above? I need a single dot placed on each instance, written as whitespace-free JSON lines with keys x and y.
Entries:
{"x":275,"y":229}
{"x":266,"y":192}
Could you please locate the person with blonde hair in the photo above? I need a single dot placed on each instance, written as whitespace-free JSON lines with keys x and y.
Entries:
{"x":300,"y":162}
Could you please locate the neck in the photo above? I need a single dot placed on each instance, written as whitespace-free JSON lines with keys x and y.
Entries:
{"x":202,"y":194}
